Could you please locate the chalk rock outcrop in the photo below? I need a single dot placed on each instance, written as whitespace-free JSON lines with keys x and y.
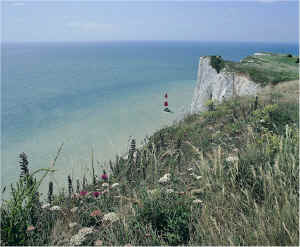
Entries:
{"x":215,"y":86}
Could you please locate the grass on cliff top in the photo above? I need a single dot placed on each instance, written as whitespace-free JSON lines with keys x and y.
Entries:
{"x":234,"y":180}
{"x":266,"y":69}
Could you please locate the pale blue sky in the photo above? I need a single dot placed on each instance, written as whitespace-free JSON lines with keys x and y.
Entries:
{"x":256,"y":20}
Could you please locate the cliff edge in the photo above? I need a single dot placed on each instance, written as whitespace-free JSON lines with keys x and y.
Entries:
{"x":215,"y":86}
{"x":218,"y":79}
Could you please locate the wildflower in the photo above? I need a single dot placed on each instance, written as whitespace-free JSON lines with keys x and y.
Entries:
{"x":30,"y":228}
{"x":112,"y":217}
{"x":98,"y":243}
{"x":75,"y":196}
{"x":96,"y":194}
{"x":169,"y":191}
{"x":72,"y":224}
{"x":165,"y":179}
{"x":195,"y":176}
{"x":73,"y":210}
{"x":83,"y":193}
{"x":96,"y":213}
{"x":190,"y":169}
{"x":105,"y":185}
{"x":104,"y":175}
{"x":104,"y":191}
{"x":55,"y":208}
{"x":232,"y":159}
{"x":152,"y":192}
{"x":86,"y":230}
{"x":47,"y":205}
{"x":197,"y":201}
{"x":77,"y":239}
{"x":115,"y":185}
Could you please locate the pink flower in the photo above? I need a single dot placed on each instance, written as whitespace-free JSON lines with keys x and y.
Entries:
{"x":96,"y":213}
{"x":30,"y":228}
{"x":104,"y":176}
{"x":98,"y":243}
{"x":96,"y":194}
{"x":83,"y":193}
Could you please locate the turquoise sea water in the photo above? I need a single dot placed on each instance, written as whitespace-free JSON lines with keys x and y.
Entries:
{"x":96,"y":95}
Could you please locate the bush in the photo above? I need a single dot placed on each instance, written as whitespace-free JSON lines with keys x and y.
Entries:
{"x":168,"y":214}
{"x":21,"y":211}
{"x":217,"y":63}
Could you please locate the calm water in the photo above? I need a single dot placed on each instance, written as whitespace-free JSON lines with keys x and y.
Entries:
{"x":96,"y":95}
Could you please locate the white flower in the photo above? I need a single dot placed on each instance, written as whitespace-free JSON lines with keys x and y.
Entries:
{"x":112,"y":217}
{"x":197,"y":201}
{"x":77,"y":239}
{"x":152,"y":192}
{"x":197,"y":177}
{"x":73,"y":210}
{"x":98,"y":243}
{"x":105,"y":185}
{"x":262,"y":121}
{"x":55,"y":208}
{"x":72,"y":224}
{"x":165,"y":179}
{"x":86,"y":230}
{"x":47,"y":205}
{"x":169,"y":191}
{"x":190,"y":169}
{"x":232,"y":158}
{"x":115,"y":185}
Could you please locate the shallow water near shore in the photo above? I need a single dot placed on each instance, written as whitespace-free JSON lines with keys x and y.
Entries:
{"x":94,"y":96}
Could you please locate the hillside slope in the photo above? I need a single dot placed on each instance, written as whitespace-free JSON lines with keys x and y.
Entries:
{"x":229,"y":176}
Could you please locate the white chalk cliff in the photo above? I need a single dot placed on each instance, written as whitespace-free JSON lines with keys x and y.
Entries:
{"x":218,"y":86}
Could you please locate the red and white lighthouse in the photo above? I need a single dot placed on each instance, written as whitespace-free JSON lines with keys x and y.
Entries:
{"x":166,"y":103}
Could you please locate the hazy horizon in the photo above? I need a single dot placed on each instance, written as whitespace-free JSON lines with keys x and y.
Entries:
{"x":268,"y":21}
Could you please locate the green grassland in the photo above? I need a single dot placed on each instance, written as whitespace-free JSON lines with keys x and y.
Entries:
{"x":265,"y":69}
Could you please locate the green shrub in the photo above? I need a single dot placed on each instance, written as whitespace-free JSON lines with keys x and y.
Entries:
{"x":21,"y":211}
{"x":168,"y":214}
{"x":217,"y":63}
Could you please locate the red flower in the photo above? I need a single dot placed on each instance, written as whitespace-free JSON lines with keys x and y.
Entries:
{"x":96,"y":194}
{"x":83,"y":193}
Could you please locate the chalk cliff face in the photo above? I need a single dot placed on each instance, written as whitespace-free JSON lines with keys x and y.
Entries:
{"x":218,"y":86}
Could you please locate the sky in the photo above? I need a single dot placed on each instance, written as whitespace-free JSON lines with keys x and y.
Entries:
{"x":240,"y":20}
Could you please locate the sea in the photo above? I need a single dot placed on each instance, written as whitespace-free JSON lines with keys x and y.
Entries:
{"x":92,"y":97}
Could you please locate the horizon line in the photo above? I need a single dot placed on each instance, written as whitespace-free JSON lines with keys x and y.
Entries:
{"x":106,"y":41}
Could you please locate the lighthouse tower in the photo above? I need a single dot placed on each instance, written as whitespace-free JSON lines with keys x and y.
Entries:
{"x":166,"y":109}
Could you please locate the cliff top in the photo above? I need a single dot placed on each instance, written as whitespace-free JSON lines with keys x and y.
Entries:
{"x":262,"y":67}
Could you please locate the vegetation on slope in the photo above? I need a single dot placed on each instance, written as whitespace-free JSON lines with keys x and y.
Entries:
{"x":263,"y":69}
{"x":224,"y":177}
